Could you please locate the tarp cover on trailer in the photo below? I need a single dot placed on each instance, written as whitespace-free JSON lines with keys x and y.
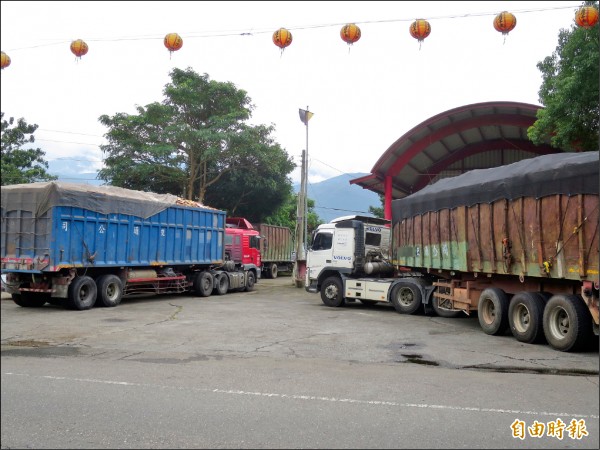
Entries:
{"x":559,"y":173}
{"x":40,"y":197}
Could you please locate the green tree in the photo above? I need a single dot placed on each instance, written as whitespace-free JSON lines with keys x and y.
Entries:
{"x":197,"y":144}
{"x":378,"y":211}
{"x":287,"y":214}
{"x":312,"y":218}
{"x":17,"y":164}
{"x":570,"y":92}
{"x":258,"y":183}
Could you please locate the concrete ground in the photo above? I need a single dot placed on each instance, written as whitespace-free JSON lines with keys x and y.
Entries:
{"x":279,"y":319}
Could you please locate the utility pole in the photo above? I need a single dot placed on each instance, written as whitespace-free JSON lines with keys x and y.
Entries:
{"x":305,"y":174}
{"x":300,"y":263}
{"x":302,"y":210}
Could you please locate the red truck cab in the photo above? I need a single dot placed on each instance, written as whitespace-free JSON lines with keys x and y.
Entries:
{"x":242,"y":243}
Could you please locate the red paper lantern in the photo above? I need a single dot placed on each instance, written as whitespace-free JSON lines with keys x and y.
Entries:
{"x":420,"y":29}
{"x":4,"y":60}
{"x":350,"y":33}
{"x":79,"y":48}
{"x":173,"y":42}
{"x":586,"y":17}
{"x":505,"y":22}
{"x":282,"y":38}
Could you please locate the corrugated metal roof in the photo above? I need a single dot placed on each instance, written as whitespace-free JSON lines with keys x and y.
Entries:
{"x":475,"y":136}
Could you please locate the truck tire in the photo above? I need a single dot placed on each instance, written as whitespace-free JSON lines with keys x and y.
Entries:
{"x":110,"y":290}
{"x":203,"y":283}
{"x":567,"y":323}
{"x":250,"y":281}
{"x":492,"y":311}
{"x":332,"y":292}
{"x":525,"y":317}
{"x":221,"y":284}
{"x":406,"y":297}
{"x":273,"y":271}
{"x":442,"y":312}
{"x":82,"y":293}
{"x":29,"y":300}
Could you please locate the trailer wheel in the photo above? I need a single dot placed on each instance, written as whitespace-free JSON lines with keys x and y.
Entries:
{"x":82,"y":293}
{"x":273,"y":271}
{"x":222,"y":284}
{"x":492,"y":311}
{"x":29,"y":300}
{"x":332,"y":292}
{"x":567,"y":323}
{"x":525,"y":317}
{"x":250,"y":280}
{"x":110,"y":290}
{"x":406,"y":297}
{"x":203,"y":283}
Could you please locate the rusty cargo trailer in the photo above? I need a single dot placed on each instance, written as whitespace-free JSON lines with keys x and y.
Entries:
{"x":277,"y":249}
{"x":72,"y":244}
{"x":517,"y":243}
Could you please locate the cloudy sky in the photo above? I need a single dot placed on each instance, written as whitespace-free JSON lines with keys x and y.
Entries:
{"x":363,"y":97}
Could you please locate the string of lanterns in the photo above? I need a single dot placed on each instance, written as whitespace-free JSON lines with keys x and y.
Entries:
{"x":504,"y":22}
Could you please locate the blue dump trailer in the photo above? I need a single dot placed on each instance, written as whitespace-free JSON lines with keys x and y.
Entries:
{"x":80,"y":245}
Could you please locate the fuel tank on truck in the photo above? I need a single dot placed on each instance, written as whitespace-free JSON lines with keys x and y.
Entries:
{"x":537,"y":217}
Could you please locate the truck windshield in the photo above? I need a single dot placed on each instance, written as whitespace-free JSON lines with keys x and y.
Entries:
{"x":373,"y":239}
{"x":322,"y":241}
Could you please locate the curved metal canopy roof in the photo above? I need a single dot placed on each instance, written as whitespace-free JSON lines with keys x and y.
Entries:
{"x":475,"y":136}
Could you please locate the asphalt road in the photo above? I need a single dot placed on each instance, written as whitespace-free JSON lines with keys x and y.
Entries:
{"x":275,"y":368}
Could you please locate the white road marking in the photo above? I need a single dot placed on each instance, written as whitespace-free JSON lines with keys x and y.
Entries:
{"x":317,"y":398}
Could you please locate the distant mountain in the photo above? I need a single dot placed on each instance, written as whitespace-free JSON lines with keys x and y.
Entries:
{"x":336,"y":197}
{"x":333,"y":197}
{"x":74,"y":172}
